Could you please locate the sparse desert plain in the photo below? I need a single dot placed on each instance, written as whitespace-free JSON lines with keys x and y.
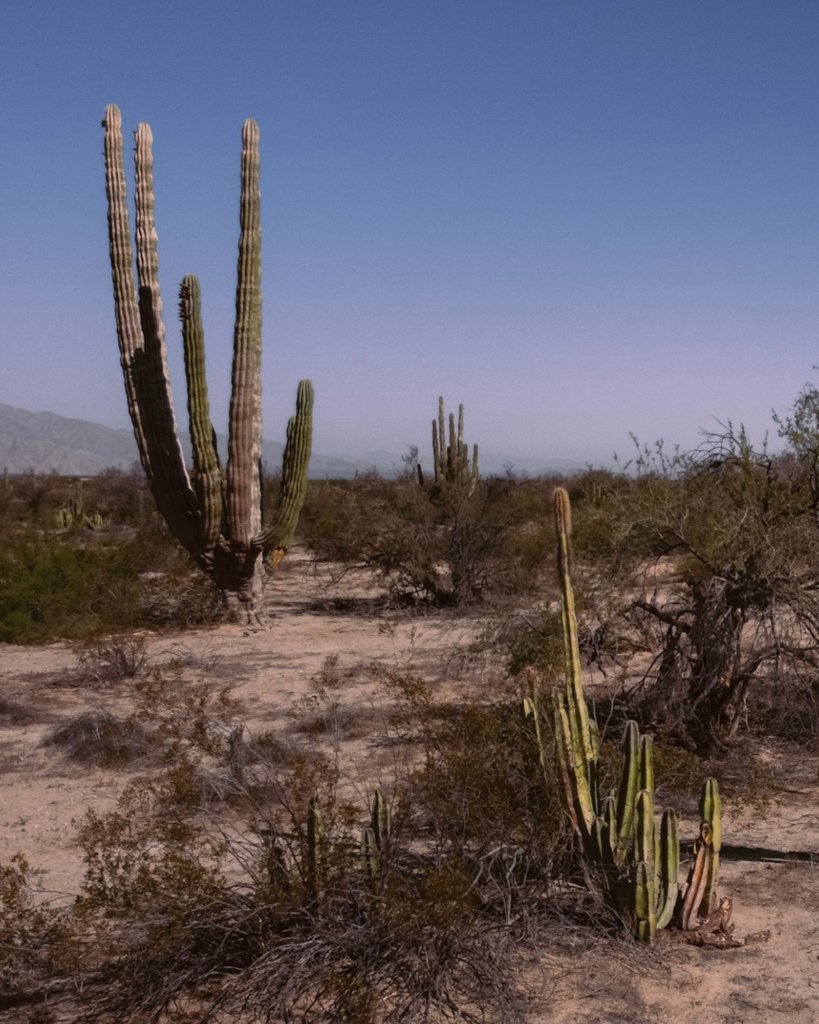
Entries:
{"x":571,"y":976}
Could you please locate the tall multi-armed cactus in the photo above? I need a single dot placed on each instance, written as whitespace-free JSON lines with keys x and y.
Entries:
{"x":639,"y":857}
{"x":214,"y":512}
{"x":451,"y":461}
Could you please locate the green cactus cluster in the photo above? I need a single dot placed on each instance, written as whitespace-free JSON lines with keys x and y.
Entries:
{"x":308,"y":872}
{"x":451,"y":462}
{"x":73,"y":513}
{"x":215,"y":511}
{"x":637,"y":855}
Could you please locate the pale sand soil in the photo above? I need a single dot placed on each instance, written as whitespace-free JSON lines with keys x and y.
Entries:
{"x":271,"y":673}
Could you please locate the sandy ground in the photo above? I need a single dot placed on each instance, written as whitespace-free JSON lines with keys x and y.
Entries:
{"x":271,"y":672}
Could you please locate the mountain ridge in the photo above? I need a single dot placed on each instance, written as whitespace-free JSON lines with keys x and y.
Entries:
{"x":45,"y":442}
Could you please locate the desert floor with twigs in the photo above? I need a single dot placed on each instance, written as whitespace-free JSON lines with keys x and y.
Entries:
{"x":271,"y":674}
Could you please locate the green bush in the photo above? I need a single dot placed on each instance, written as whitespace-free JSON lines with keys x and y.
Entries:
{"x":447,"y":544}
{"x":54,"y":586}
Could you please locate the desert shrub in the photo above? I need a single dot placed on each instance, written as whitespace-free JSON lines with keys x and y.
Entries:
{"x":248,"y":928}
{"x":251,"y":897}
{"x":112,"y":659}
{"x":710,"y":557}
{"x":178,"y":597}
{"x":477,"y":791}
{"x":447,"y":544}
{"x":36,"y":946}
{"x":51,"y":587}
{"x":14,"y":713}
{"x":102,"y":739}
{"x":532,"y":642}
{"x":74,"y":587}
{"x":789,"y":711}
{"x":122,"y":497}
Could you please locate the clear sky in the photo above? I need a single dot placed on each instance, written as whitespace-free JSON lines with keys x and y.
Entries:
{"x":580,"y":218}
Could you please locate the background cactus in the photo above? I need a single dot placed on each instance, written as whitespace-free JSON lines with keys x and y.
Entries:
{"x":451,"y":460}
{"x":215,"y":513}
{"x":639,"y":858}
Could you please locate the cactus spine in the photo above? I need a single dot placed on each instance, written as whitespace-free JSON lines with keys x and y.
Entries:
{"x":451,"y":461}
{"x":216,"y":513}
{"x":639,"y":860}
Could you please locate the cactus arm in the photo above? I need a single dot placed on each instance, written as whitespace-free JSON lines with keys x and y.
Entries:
{"x":171,"y":481}
{"x":598,"y":841}
{"x":697,"y":880}
{"x":610,"y":830}
{"x":711,"y":811}
{"x":668,"y":868}
{"x":627,"y":791}
{"x":440,"y":472}
{"x":579,"y":714}
{"x":369,"y":856}
{"x":208,"y":479}
{"x":141,"y":335}
{"x":581,"y":801}
{"x":245,"y":433}
{"x":315,"y":844}
{"x":646,"y":763}
{"x":380,"y":820}
{"x":644,"y":829}
{"x":644,"y":886}
{"x":460,"y":467}
{"x":126,"y":309}
{"x":530,"y":714}
{"x":644,"y":903}
{"x":451,"y":451}
{"x":278,"y":536}
{"x":561,"y":728}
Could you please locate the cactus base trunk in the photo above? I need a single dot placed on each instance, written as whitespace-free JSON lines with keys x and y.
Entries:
{"x":240,"y":578}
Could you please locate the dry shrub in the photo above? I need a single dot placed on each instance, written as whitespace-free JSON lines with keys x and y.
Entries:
{"x":14,"y":713}
{"x":788,"y":709}
{"x":35,"y":939}
{"x":103,"y":739}
{"x":112,"y":659}
{"x":447,"y":544}
{"x":217,"y":891}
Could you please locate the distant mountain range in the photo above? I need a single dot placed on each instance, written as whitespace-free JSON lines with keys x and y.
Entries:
{"x":42,"y":442}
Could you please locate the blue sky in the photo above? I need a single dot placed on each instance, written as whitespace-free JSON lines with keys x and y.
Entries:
{"x":581,"y":219}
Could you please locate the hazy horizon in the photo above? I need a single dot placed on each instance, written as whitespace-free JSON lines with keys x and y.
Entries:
{"x":580,"y":219}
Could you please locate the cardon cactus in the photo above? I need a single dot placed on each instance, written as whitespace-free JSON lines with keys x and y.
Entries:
{"x":637,"y":856}
{"x":451,"y":461}
{"x":216,"y":511}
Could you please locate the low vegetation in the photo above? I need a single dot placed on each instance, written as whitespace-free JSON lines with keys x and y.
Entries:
{"x":239,"y":879}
